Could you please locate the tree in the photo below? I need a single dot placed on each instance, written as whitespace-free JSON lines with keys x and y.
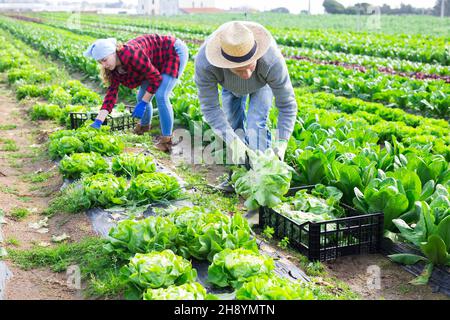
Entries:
{"x":333,"y":7}
{"x":437,"y":8}
{"x":385,"y":9}
{"x":280,"y":10}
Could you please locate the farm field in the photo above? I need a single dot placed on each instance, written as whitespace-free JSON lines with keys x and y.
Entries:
{"x":364,"y":185}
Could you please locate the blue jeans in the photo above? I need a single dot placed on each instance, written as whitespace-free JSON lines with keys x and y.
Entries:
{"x":162,"y":94}
{"x":254,"y":122}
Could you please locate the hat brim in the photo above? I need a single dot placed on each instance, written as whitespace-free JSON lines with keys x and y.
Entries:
{"x":213,"y":49}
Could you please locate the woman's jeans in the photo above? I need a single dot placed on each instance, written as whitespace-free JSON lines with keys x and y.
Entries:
{"x":253,"y":122}
{"x":162,"y":94}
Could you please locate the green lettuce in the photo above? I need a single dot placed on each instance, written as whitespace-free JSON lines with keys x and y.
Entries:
{"x":187,"y":291}
{"x":150,"y":234}
{"x":58,"y":148}
{"x":202,"y":234}
{"x":385,"y":195}
{"x":131,"y":164}
{"x":104,"y":144}
{"x":105,"y":189}
{"x":158,"y":270}
{"x":151,"y":187}
{"x":266,"y":182}
{"x":45,"y":111}
{"x":431,"y":236}
{"x":234,"y":267}
{"x":82,"y":163}
{"x":273,"y":288}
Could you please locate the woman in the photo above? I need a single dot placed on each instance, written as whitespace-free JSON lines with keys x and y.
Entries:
{"x":153,"y":62}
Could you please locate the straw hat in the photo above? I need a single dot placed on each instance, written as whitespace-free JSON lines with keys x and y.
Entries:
{"x":236,"y":44}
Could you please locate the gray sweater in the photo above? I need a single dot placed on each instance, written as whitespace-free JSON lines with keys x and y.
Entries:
{"x":270,"y":70}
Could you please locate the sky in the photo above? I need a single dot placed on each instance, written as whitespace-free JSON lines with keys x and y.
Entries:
{"x":295,"y":6}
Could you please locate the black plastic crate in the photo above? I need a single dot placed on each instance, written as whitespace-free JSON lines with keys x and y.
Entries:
{"x":328,"y":240}
{"x":123,"y":122}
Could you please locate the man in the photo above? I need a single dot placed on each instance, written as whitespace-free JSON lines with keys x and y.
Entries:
{"x":244,"y":59}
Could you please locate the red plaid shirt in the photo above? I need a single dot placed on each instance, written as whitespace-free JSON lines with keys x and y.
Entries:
{"x":143,"y":58}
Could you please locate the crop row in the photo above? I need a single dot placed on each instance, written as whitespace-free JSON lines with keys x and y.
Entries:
{"x":414,"y":48}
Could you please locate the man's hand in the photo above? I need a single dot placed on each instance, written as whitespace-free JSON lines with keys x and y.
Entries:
{"x":139,"y":109}
{"x":279,"y":147}
{"x":238,"y":151}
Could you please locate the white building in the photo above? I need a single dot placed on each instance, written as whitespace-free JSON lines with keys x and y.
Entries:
{"x":197,"y":4}
{"x":158,"y":7}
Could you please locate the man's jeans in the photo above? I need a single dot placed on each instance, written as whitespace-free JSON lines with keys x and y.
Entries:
{"x":253,"y":122}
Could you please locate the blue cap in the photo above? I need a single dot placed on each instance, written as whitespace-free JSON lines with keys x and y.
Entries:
{"x":101,"y":48}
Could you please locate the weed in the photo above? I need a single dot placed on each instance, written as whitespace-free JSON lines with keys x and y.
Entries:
{"x":19,"y":213}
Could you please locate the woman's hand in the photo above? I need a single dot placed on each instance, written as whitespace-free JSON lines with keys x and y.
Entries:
{"x":139,"y":109}
{"x":102,"y":114}
{"x":147,"y":97}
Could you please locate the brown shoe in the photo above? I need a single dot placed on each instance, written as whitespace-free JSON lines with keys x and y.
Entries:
{"x":164,"y":144}
{"x":140,"y":129}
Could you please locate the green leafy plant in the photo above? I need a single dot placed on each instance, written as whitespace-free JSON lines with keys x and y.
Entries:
{"x":234,"y":267}
{"x":384,"y":194}
{"x":268,"y":232}
{"x":131,"y":164}
{"x":273,"y":288}
{"x":82,"y":163}
{"x":284,"y":243}
{"x":432,"y":239}
{"x":151,"y":187}
{"x":104,"y":144}
{"x":45,"y":111}
{"x":60,"y":97}
{"x":158,"y":270}
{"x":187,"y":291}
{"x":19,"y":213}
{"x":105,"y":189}
{"x":150,"y":234}
{"x":66,"y":145}
{"x":202,"y":234}
{"x":265,"y":183}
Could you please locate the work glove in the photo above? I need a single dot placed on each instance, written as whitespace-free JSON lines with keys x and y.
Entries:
{"x":139,"y":109}
{"x":97,"y":124}
{"x":238,"y":151}
{"x":279,"y":147}
{"x":102,"y":114}
{"x":241,"y":153}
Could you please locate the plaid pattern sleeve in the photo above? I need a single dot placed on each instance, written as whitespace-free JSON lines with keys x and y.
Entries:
{"x":111,"y":96}
{"x":148,"y":57}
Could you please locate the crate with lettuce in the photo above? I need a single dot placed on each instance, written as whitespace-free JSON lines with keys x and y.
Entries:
{"x":321,"y":204}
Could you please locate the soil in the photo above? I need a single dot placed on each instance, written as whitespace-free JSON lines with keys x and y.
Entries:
{"x":358,"y":271}
{"x":17,"y":192}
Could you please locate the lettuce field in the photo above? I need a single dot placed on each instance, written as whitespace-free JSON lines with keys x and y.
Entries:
{"x":365,"y":180}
